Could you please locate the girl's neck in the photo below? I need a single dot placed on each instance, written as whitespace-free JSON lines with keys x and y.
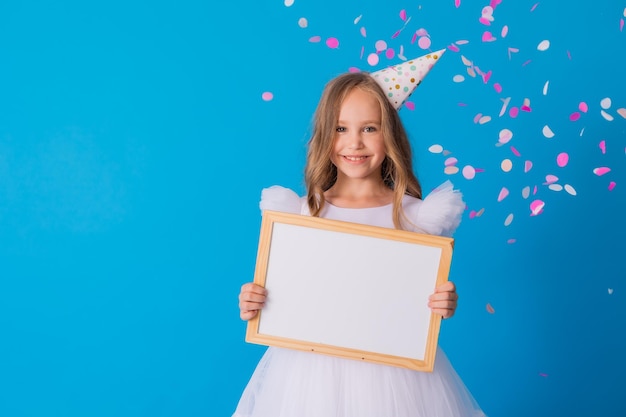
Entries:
{"x":359,"y":194}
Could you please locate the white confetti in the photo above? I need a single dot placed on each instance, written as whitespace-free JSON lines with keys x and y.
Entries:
{"x":543,"y":45}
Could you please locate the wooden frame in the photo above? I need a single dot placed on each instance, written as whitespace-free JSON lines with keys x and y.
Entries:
{"x":349,"y":290}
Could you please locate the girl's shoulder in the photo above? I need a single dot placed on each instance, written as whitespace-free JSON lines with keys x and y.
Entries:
{"x":439,"y":213}
{"x":278,"y":198}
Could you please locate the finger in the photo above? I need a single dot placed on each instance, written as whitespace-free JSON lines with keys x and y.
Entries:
{"x":251,"y":287}
{"x":443,"y":312}
{"x":447,"y":286}
{"x":248,"y":314}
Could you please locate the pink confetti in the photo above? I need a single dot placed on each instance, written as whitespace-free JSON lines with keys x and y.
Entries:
{"x":488,"y":37}
{"x":569,"y":55}
{"x":511,"y":241}
{"x":494,"y":3}
{"x":484,"y":21}
{"x":454,"y":48}
{"x":536,"y":207}
{"x":574,"y":116}
{"x":532,"y":9}
{"x":601,"y":171}
{"x":513,"y":112}
{"x":403,"y":14}
{"x":490,"y":309}
{"x":611,"y":185}
{"x":504,"y":31}
{"x":562,"y":159}
{"x":424,"y":42}
{"x":372,"y":59}
{"x":551,"y":179}
{"x":497,"y":87}
{"x":380,"y":45}
{"x":267,"y":96}
{"x":515,"y":151}
{"x":409,"y":105}
{"x":395,"y":35}
{"x":363,"y":32}
{"x":390,"y":53}
{"x":332,"y":43}
{"x":477,"y":117}
{"x":621,"y":25}
{"x":583,"y":107}
{"x":469,"y":172}
{"x":602,"y":146}
{"x":457,"y":3}
{"x":527,"y":62}
{"x":528,"y":165}
{"x":543,"y":375}
{"x":315,"y":39}
{"x":421,"y":32}
{"x":450,"y":161}
{"x":504,"y":192}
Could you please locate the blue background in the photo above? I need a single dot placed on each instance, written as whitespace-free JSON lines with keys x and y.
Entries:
{"x":134,"y":144}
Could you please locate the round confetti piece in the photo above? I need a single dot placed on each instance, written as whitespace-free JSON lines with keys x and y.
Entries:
{"x":622,"y":112}
{"x":267,"y":96}
{"x":536,"y":207}
{"x":458,"y":78}
{"x":435,"y":149}
{"x":488,"y":37}
{"x":451,"y":170}
{"x":497,"y":87}
{"x":605,"y":103}
{"x":332,"y":43}
{"x":372,"y":59}
{"x":451,"y":161}
{"x":511,"y":241}
{"x":543,"y":45}
{"x":469,"y":172}
{"x":506,"y":165}
{"x":409,"y":105}
{"x":302,"y":22}
{"x":289,"y":3}
{"x":513,"y":112}
{"x":555,"y":187}
{"x":380,"y":45}
{"x":569,"y":189}
{"x":551,"y":179}
{"x":574,"y":116}
{"x":315,"y":39}
{"x":562,"y":159}
{"x":423,"y":42}
{"x":583,"y":107}
{"x":390,"y":53}
{"x":505,"y":136}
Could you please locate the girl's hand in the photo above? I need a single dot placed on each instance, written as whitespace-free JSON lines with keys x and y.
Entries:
{"x":443,"y":301}
{"x":251,"y":300}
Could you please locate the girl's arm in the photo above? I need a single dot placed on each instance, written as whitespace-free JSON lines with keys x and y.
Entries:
{"x":251,"y":300}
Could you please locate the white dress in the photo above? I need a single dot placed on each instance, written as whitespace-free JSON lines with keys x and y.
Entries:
{"x":294,"y":383}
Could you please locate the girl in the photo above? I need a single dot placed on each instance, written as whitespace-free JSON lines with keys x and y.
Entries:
{"x":358,"y":169}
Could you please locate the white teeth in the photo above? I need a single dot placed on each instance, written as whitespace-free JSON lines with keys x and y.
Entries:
{"x":355,"y":158}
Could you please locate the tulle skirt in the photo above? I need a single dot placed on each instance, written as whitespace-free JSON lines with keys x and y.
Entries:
{"x":292,"y":383}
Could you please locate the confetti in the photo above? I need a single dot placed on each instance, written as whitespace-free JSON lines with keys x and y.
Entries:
{"x":303,"y":23}
{"x":547,"y":132}
{"x":569,"y":189}
{"x":543,"y":45}
{"x":506,"y":165}
{"x":605,"y":103}
{"x":332,"y":43}
{"x":450,"y":161}
{"x":488,"y":37}
{"x":525,"y":192}
{"x":601,"y":171}
{"x":490,"y":309}
{"x":315,"y":39}
{"x":536,"y":207}
{"x":505,"y":136}
{"x":602,"y":146}
{"x":545,"y":88}
{"x":435,"y":149}
{"x":528,"y":165}
{"x":583,"y":107}
{"x":611,"y":185}
{"x":458,"y":78}
{"x":289,"y":3}
{"x":610,"y":291}
{"x":551,"y":179}
{"x":622,"y":112}
{"x":562,"y":159}
{"x":504,"y":192}
{"x":469,"y":172}
{"x":511,"y":241}
{"x":555,"y":187}
{"x":267,"y":96}
{"x":504,"y":31}
{"x":606,"y":115}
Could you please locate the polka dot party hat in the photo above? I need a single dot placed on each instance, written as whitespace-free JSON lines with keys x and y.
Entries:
{"x":399,"y":81}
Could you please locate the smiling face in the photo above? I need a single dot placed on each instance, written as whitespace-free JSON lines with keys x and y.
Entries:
{"x":359,"y":147}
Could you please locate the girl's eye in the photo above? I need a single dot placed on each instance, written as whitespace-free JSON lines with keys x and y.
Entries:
{"x":369,"y":129}
{"x":340,"y":129}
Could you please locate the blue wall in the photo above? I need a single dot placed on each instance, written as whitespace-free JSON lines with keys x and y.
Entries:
{"x":134,"y":143}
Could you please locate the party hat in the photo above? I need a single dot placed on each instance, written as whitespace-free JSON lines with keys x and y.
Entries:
{"x":399,"y":81}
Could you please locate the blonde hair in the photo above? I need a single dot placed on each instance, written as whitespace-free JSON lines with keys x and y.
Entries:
{"x":397,"y":168}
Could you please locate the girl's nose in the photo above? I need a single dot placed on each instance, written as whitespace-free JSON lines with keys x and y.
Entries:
{"x":355,"y":140}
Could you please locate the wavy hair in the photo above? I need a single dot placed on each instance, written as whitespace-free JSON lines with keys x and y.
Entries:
{"x":397,"y":168}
